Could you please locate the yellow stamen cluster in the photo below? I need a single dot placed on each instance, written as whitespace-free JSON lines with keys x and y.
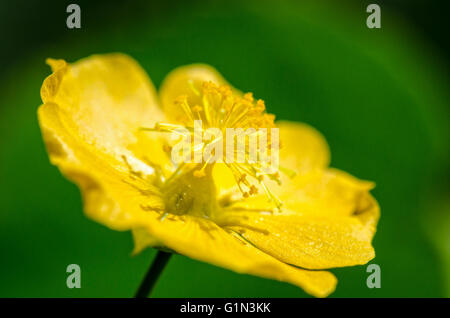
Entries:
{"x":217,"y":106}
{"x":223,"y":109}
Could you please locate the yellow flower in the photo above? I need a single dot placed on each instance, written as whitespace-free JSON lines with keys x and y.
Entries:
{"x":94,"y":120}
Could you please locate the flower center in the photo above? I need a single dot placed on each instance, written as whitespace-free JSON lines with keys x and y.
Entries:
{"x":225,"y":118}
{"x":184,"y":193}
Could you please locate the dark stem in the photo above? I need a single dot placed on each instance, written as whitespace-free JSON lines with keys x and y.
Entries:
{"x":152,"y":275}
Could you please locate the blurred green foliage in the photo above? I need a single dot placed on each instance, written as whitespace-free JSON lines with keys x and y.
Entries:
{"x":377,"y":95}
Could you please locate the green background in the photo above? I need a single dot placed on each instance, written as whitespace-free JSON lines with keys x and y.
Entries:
{"x":380,"y":97}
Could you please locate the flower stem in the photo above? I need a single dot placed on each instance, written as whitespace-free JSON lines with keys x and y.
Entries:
{"x":152,"y":275}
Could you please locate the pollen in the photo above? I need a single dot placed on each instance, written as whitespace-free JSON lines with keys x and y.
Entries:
{"x":220,"y":107}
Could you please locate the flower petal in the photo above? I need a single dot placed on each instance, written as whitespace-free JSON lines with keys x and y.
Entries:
{"x":328,"y":219}
{"x":92,"y":110}
{"x":187,"y":80}
{"x":107,"y":184}
{"x":328,"y":192}
{"x":303,"y":148}
{"x":203,"y":240}
{"x":311,"y":240}
{"x":104,"y":99}
{"x":142,"y":239}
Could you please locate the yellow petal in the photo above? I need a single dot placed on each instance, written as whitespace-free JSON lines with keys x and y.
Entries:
{"x":224,"y":180}
{"x":203,"y":240}
{"x":142,"y":239}
{"x":324,"y":192}
{"x":303,"y":148}
{"x":104,"y":99}
{"x":107,"y":184}
{"x":307,"y":241}
{"x":186,"y":80}
{"x":328,"y":219}
{"x":92,"y":110}
{"x":329,"y":192}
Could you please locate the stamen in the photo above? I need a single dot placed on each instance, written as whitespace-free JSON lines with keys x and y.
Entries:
{"x":233,"y":221}
{"x":271,"y":196}
{"x":193,"y":88}
{"x":220,"y":108}
{"x":163,"y":216}
{"x":182,"y":102}
{"x":169,"y":128}
{"x":288,"y":172}
{"x":201,"y":173}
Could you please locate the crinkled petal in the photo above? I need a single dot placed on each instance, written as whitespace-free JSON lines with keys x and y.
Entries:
{"x":328,"y":219}
{"x":107,"y":184}
{"x":89,"y":121}
{"x":105,"y":100}
{"x":308,"y":241}
{"x":203,"y":240}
